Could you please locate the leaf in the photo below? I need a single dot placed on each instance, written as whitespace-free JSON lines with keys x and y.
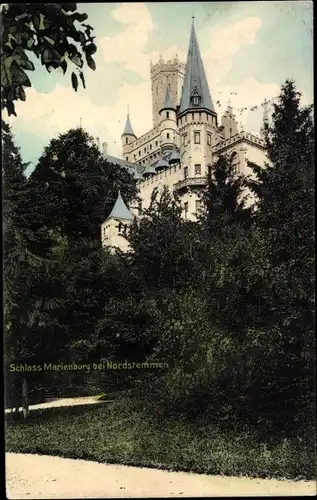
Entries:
{"x":50,"y":40}
{"x":77,"y":60}
{"x":91,"y":49}
{"x":18,"y":75}
{"x":70,"y":7}
{"x":91,"y":63}
{"x":6,"y":78}
{"x":42,"y":25}
{"x":21,"y":94}
{"x":79,"y":17}
{"x":11,"y":108}
{"x":74,"y":81}
{"x":64,"y":66}
{"x":81,"y":75}
{"x":30,"y":43}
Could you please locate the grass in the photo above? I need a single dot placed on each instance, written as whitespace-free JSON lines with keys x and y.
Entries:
{"x":113,"y":433}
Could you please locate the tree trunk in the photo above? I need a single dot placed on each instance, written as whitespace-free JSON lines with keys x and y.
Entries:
{"x":25,"y":406}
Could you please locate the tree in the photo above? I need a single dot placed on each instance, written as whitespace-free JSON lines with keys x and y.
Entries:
{"x":75,"y":188}
{"x":285,"y":208}
{"x":23,"y":266}
{"x":224,"y":200}
{"x":48,"y":31}
{"x":161,"y":243}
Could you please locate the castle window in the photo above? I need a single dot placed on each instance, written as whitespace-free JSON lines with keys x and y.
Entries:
{"x":230,"y":132}
{"x":197,"y":169}
{"x":156,"y":143}
{"x":235,"y":161}
{"x":150,"y":147}
{"x":185,"y":118}
{"x":139,"y":153}
{"x":185,"y":140}
{"x":126,"y":140}
{"x":199,"y":116}
{"x":209,"y":139}
{"x":198,"y":206}
{"x":197,"y":137}
{"x":193,"y":116}
{"x":134,"y":156}
{"x":167,"y":136}
{"x":186,"y":209}
{"x":144,"y":150}
{"x":195,"y":100}
{"x":126,"y":158}
{"x":167,"y":114}
{"x":185,"y":172}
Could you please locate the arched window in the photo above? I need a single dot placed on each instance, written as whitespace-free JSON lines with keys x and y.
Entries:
{"x":235,"y":161}
{"x":126,"y":140}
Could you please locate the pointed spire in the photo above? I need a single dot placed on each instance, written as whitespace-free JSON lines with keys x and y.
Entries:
{"x":128,"y":130}
{"x":168,"y":104}
{"x":265,"y":123}
{"x":120,"y":210}
{"x":195,"y":92}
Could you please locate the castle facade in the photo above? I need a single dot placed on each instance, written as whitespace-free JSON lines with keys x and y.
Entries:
{"x":185,"y":141}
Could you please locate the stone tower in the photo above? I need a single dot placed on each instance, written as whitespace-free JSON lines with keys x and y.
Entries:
{"x":169,"y":74}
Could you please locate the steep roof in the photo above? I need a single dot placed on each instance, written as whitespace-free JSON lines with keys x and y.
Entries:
{"x":128,"y":127}
{"x":161,"y":164}
{"x":120,"y":210}
{"x":175,"y":156}
{"x":149,"y":170}
{"x":132,"y":168}
{"x":168,"y":104}
{"x":195,"y":80}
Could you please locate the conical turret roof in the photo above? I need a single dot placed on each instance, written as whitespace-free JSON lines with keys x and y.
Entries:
{"x":175,"y":157}
{"x":120,"y":210}
{"x":168,"y":104}
{"x":150,"y":170}
{"x":128,"y":127}
{"x":161,"y":164}
{"x":195,"y":81}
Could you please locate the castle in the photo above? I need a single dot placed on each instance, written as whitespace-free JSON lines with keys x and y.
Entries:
{"x":182,"y":146}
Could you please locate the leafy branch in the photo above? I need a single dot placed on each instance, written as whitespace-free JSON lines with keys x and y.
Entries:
{"x":55,"y":33}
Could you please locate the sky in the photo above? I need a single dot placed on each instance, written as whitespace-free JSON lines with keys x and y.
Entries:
{"x":248,"y":48}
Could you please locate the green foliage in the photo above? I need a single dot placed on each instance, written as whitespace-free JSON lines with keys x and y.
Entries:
{"x":135,"y":438}
{"x":224,"y":200}
{"x":77,"y":186}
{"x":55,"y":33}
{"x":227,"y":302}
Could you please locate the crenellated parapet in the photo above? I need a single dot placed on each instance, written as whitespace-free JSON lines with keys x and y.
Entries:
{"x":170,"y":66}
{"x":251,"y":139}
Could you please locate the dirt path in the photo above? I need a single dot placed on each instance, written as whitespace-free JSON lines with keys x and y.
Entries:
{"x":44,"y":477}
{"x":85,"y":400}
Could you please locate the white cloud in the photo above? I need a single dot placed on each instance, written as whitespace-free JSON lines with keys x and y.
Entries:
{"x":225,"y":43}
{"x":56,"y":112}
{"x":127,"y":46}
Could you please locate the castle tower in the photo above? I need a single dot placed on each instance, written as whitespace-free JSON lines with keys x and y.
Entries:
{"x":168,"y":123}
{"x":229,"y":124}
{"x":165,"y":74}
{"x":197,"y":119}
{"x":127,"y":138}
{"x":116,"y":226}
